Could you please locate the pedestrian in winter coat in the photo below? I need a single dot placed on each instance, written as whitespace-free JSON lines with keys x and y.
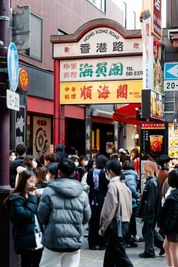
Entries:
{"x":22,"y":207}
{"x":20,"y":154}
{"x":168,"y":221}
{"x":130,"y":177}
{"x":118,"y":201}
{"x":149,"y":210}
{"x":63,"y":210}
{"x":98,"y":183}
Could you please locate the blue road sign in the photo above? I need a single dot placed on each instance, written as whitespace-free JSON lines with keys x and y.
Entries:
{"x":171,"y":71}
{"x":13,"y":66}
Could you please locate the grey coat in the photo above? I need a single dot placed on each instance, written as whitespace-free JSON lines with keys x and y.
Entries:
{"x":63,"y":209}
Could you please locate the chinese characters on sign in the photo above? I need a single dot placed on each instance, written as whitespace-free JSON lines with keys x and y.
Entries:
{"x":99,"y":41}
{"x":101,"y":92}
{"x":101,"y":69}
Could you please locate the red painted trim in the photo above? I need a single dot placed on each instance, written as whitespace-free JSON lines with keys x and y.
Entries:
{"x":102,"y":120}
{"x":74,"y":112}
{"x":56,"y":101}
{"x":39,"y":105}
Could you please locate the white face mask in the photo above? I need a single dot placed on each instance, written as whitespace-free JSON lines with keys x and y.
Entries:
{"x":107,"y":177}
{"x":85,"y":163}
{"x":76,"y":164}
{"x":34,"y":164}
{"x":48,"y":178}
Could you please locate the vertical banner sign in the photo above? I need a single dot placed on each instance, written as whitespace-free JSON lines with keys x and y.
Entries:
{"x":41,"y":135}
{"x":157,"y":30}
{"x":147,"y":54}
{"x":20,"y":126}
{"x":88,"y":128}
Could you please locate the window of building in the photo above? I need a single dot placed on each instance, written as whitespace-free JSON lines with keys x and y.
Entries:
{"x":35,"y":49}
{"x":100,"y":4}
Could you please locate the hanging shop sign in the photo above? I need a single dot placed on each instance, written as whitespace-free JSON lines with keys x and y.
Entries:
{"x":153,"y":139}
{"x":172,"y":141}
{"x":106,"y":92}
{"x":100,"y":41}
{"x":41,"y":135}
{"x":23,"y":79}
{"x":101,"y":69}
{"x":155,"y":8}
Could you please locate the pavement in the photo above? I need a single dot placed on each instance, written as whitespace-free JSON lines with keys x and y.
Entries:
{"x":94,"y":258}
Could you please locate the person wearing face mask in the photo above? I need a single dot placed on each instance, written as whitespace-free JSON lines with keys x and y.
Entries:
{"x":118,"y":201}
{"x":81,"y":169}
{"x":28,"y":163}
{"x":22,"y":208}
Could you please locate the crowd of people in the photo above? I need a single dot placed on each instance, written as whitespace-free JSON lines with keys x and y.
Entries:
{"x":53,"y":197}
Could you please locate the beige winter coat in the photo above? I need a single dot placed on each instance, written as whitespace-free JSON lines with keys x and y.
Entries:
{"x":118,"y":200}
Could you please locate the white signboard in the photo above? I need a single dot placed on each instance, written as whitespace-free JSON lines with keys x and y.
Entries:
{"x":171,"y":85}
{"x":100,"y":41}
{"x":147,"y":54}
{"x":122,"y":68}
{"x":12,"y":100}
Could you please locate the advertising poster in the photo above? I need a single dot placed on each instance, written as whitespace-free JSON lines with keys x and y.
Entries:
{"x":153,"y":139}
{"x":41,"y":135}
{"x":172,"y":141}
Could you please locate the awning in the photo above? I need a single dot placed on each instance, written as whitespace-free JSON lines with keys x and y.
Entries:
{"x":127,"y":114}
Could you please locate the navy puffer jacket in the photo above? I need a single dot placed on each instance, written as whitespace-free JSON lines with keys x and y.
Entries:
{"x":63,"y":209}
{"x":22,"y":211}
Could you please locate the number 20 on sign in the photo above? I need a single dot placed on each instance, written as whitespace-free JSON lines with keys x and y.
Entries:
{"x":171,"y":85}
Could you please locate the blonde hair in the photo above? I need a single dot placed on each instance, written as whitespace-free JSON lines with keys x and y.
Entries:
{"x":150,"y":168}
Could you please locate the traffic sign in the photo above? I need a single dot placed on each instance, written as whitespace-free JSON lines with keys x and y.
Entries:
{"x":171,"y":71}
{"x":171,"y":85}
{"x":12,"y":100}
{"x":13,"y":66}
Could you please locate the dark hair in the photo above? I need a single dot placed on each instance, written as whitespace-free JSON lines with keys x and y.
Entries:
{"x":51,"y":157}
{"x":135,"y":151}
{"x":22,"y":180}
{"x":114,"y":166}
{"x":20,"y":149}
{"x":173,"y":178}
{"x":27,"y":162}
{"x":114,"y":157}
{"x":53,"y":169}
{"x":66,"y":166}
{"x":82,"y":157}
{"x":41,"y":174}
{"x":128,"y":165}
{"x":163,"y":159}
{"x":59,"y":148}
{"x":100,"y":161}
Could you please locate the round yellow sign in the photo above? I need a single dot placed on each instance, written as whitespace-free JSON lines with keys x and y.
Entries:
{"x":23,"y":79}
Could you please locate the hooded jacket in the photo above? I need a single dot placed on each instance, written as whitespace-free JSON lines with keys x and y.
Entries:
{"x":130,"y":178}
{"x":168,"y":219}
{"x":63,"y":209}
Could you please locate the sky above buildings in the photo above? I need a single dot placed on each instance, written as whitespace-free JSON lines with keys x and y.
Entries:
{"x":135,"y":7}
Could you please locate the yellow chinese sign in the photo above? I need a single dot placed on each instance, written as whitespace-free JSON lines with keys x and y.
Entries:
{"x":105,"y":92}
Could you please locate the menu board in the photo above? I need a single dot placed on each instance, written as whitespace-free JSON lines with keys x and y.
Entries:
{"x":153,"y":139}
{"x":172,"y":141}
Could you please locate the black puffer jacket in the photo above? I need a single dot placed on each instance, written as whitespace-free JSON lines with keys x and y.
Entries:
{"x":168,"y":220}
{"x":22,"y":211}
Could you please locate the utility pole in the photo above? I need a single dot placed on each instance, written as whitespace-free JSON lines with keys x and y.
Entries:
{"x":5,"y":38}
{"x":7,"y":257}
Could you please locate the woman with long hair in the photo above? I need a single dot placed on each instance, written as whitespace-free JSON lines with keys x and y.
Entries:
{"x":22,"y":207}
